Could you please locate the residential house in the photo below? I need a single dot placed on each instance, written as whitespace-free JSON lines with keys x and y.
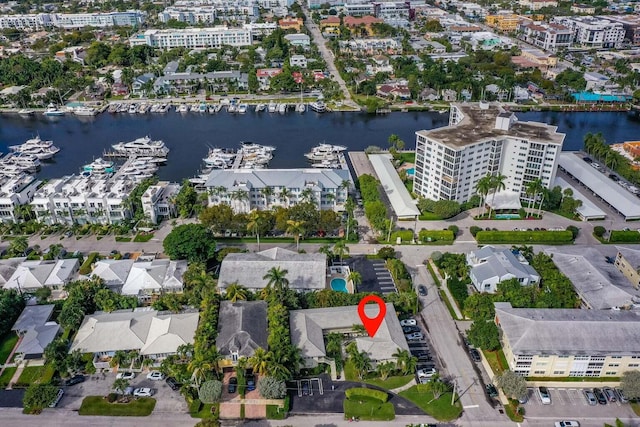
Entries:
{"x":490,"y":266}
{"x":298,"y":40}
{"x":113,"y":272}
{"x":394,"y":91}
{"x":298,"y":61}
{"x":305,"y":272}
{"x":142,"y":84}
{"x":330,"y":25}
{"x":554,"y":342}
{"x":158,"y":201}
{"x":242,"y":329}
{"x":32,"y":275}
{"x":328,"y":188}
{"x":35,"y":330}
{"x":428,"y":94}
{"x":150,"y":277}
{"x":290,"y":23}
{"x":309,"y":327}
{"x":379,"y":64}
{"x":153,"y":334}
{"x":449,"y":95}
{"x":583,"y":9}
{"x":265,"y":75}
{"x":361,"y":26}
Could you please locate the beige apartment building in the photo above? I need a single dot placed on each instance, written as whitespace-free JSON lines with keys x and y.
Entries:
{"x":628,"y":262}
{"x":569,"y":342}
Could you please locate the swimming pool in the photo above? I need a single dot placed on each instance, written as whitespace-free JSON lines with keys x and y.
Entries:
{"x":339,"y":284}
{"x":507,"y":216}
{"x":411,"y":171}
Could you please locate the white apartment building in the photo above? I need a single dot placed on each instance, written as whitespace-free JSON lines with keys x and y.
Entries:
{"x":593,"y":32}
{"x":83,"y":200}
{"x":193,"y":38}
{"x":261,"y":28}
{"x":15,"y":191}
{"x":190,"y":15}
{"x":298,"y":61}
{"x":157,"y":201}
{"x":550,"y":37}
{"x":274,"y":4}
{"x":41,"y":21}
{"x":247,"y":189}
{"x":483,"y":139}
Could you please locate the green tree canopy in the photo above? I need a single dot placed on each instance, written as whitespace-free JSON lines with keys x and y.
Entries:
{"x":484,"y":334}
{"x":210,"y":391}
{"x":193,"y":242}
{"x":514,"y":386}
{"x":39,"y":396}
{"x":272,"y":388}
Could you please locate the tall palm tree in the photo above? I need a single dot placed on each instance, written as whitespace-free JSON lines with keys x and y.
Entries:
{"x":405,"y":361}
{"x":497,"y":184}
{"x":482,"y":188}
{"x":534,"y":187}
{"x":240,"y":196}
{"x":384,"y":369}
{"x":266,"y":192}
{"x":295,"y":229}
{"x":277,"y":279}
{"x":260,"y":361}
{"x":340,"y":249}
{"x":235,"y":292}
{"x":255,"y":223}
{"x":286,"y":195}
{"x":356,"y":278}
{"x":307,"y":195}
{"x":326,"y":249}
{"x":118,"y":358}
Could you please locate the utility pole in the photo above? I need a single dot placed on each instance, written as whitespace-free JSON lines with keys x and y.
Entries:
{"x":453,"y":395}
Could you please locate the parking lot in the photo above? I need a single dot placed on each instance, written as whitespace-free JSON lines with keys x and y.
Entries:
{"x":571,"y":402}
{"x":100,"y":384}
{"x":375,"y":276}
{"x":421,"y":349}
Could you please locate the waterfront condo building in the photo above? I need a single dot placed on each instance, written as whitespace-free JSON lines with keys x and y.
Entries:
{"x":193,"y":38}
{"x":40,"y":21}
{"x":593,"y":32}
{"x":555,"y":342}
{"x":158,"y":201}
{"x":247,"y":189}
{"x":483,"y":139}
{"x":15,"y":191}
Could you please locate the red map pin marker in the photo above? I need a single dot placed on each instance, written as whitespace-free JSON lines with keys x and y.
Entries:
{"x":372,"y":324}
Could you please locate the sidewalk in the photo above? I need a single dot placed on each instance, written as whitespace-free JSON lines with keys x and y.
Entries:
{"x":407,"y":386}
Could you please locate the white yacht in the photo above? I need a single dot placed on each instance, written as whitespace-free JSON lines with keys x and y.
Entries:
{"x":53,"y":111}
{"x":113,"y":108}
{"x":85,"y":111}
{"x":260,"y":107}
{"x":232,"y":108}
{"x":282,"y":108}
{"x":325,"y":152}
{"x":142,"y":146}
{"x":327,"y":164}
{"x":42,"y":150}
{"x":272,"y":107}
{"x":301,"y":108}
{"x":133,"y":109}
{"x":318,"y":106}
{"x":99,"y":166}
{"x":242,"y":108}
{"x":183,"y":108}
{"x":26,"y":112}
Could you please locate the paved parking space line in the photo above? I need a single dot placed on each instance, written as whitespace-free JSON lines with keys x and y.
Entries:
{"x":559,"y":396}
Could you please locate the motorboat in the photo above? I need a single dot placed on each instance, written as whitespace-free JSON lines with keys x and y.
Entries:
{"x":143,"y":108}
{"x":272,"y":107}
{"x":142,"y":146}
{"x":133,"y":109}
{"x":154,"y":108}
{"x":282,"y":108}
{"x":26,"y":112}
{"x":327,"y":164}
{"x":195,"y":108}
{"x":232,"y":108}
{"x":242,"y":108}
{"x":113,"y":108}
{"x":318,"y":106}
{"x":53,"y":111}
{"x":202,"y":108}
{"x":301,"y":107}
{"x":183,"y":108}
{"x":124,"y":108}
{"x":85,"y":111}
{"x":260,"y":107}
{"x":99,"y":166}
{"x":325,"y":152}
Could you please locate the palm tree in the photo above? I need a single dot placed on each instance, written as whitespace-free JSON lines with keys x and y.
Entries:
{"x":497,"y":184}
{"x":240,"y":196}
{"x":405,"y":361}
{"x":340,"y":249}
{"x":482,"y":187}
{"x":307,"y":195}
{"x":277,"y":278}
{"x":120,"y":385}
{"x":356,"y":278}
{"x":279,"y":371}
{"x":535,"y":187}
{"x":295,"y":229}
{"x":260,"y":361}
{"x":266,"y":192}
{"x":362,"y":363}
{"x":326,"y":249}
{"x":285,"y":194}
{"x":255,"y":222}
{"x":118,"y":358}
{"x":18,"y":246}
{"x":384,"y":369}
{"x":235,"y":292}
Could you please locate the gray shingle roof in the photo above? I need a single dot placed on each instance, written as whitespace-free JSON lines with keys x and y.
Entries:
{"x":598,"y":283}
{"x":242,"y":327}
{"x":289,"y":178}
{"x":37,"y":333}
{"x":304,"y":271}
{"x":309,"y":326}
{"x":556,"y":331}
{"x":499,"y":264}
{"x":113,"y":272}
{"x":32,"y":316}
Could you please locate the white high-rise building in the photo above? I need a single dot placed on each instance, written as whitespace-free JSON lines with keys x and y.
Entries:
{"x":483,"y":139}
{"x":193,"y":38}
{"x":593,"y":32}
{"x":35,"y":22}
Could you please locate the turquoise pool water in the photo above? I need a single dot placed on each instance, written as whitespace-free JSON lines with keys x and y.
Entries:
{"x":507,"y":216}
{"x":411,"y":171}
{"x":340,"y":285}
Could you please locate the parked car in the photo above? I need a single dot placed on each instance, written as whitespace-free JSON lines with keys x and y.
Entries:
{"x":410,"y":329}
{"x":251,"y":382}
{"x":426,"y":373}
{"x":422,"y":355}
{"x":475,"y":355}
{"x":57,"y":399}
{"x":305,"y":388}
{"x":567,"y":424}
{"x":587,"y":159}
{"x":126,"y":375}
{"x":422,"y":290}
{"x":233,"y":385}
{"x":545,"y":397}
{"x":492,"y":391}
{"x":173,"y":383}
{"x":155,"y":376}
{"x":602,"y":399}
{"x":621,"y":397}
{"x":76,"y":379}
{"x":414,"y":336}
{"x":591,"y":398}
{"x":408,"y":322}
{"x":523,"y":399}
{"x":143,"y":392}
{"x":610,"y":394}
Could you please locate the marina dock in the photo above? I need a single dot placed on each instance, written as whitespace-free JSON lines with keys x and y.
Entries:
{"x":131,"y":153}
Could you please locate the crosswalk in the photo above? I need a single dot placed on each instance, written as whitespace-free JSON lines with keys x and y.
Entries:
{"x":387,"y":286}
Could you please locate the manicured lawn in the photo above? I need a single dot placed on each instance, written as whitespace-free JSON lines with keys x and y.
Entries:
{"x":274,"y":413}
{"x":409,"y":157}
{"x":123,"y":239}
{"x":143,"y":237}
{"x":429,"y":216}
{"x":98,"y":405}
{"x":636,"y":408}
{"x":6,"y":376}
{"x":205,"y":411}
{"x":350,"y":372}
{"x":496,"y":360}
{"x":368,"y":409}
{"x":391,"y":382}
{"x":440,"y":409}
{"x":7,"y":343}
{"x":31,"y":374}
{"x":528,"y":237}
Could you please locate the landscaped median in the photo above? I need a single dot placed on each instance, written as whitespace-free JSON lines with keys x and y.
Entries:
{"x":99,"y":405}
{"x":440,"y":408}
{"x":368,"y":404}
{"x":528,"y":237}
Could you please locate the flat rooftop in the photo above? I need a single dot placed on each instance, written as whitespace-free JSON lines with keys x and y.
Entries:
{"x":479,"y":124}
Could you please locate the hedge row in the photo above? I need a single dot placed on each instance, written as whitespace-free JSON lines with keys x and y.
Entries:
{"x":630,"y":236}
{"x":405,"y":236}
{"x":85,"y":268}
{"x":367,"y":392}
{"x":436,"y":235}
{"x":550,"y":237}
